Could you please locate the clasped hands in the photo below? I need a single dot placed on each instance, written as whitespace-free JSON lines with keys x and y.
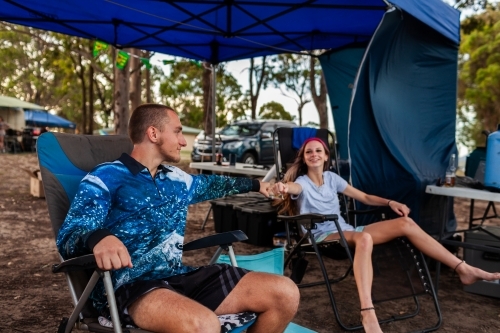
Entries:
{"x":278,"y":189}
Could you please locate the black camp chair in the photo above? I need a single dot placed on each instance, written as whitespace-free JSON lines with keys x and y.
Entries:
{"x":400,"y":270}
{"x":64,"y":160}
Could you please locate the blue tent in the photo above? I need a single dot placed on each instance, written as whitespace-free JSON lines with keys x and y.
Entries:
{"x":39,"y":118}
{"x":407,"y":48}
{"x":393,"y":102}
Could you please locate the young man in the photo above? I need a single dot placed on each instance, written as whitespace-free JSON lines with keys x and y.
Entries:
{"x":131,"y":214}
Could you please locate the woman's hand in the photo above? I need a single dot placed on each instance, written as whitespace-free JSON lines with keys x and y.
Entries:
{"x":399,"y":208}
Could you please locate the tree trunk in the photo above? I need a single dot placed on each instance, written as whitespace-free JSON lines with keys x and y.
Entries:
{"x":81,"y":75}
{"x":207,"y":98}
{"x":135,"y":80}
{"x":299,"y":111}
{"x":319,"y":99}
{"x":147,"y":73}
{"x":121,"y":97}
{"x":259,"y":80}
{"x":91,"y":100}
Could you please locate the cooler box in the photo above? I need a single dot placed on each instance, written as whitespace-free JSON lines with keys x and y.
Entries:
{"x":223,"y":210}
{"x":487,"y":261}
{"x":258,"y":221}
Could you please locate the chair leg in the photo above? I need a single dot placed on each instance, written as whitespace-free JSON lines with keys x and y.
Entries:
{"x":329,"y":287}
{"x":81,"y":302}
{"x":113,"y":309}
{"x":206,"y":218}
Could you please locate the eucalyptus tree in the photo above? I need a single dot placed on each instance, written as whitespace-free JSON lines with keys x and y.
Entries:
{"x":185,"y":89}
{"x":479,"y":76}
{"x":319,"y":91}
{"x":274,"y":110}
{"x":291,"y":75}
{"x":259,"y":76}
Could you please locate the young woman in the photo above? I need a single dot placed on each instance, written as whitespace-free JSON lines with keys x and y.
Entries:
{"x":309,"y":188}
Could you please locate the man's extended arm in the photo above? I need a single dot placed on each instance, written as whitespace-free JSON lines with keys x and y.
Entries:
{"x":209,"y":187}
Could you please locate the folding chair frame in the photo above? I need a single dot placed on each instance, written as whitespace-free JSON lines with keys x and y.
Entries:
{"x":309,"y":221}
{"x":223,"y":240}
{"x":82,"y":272}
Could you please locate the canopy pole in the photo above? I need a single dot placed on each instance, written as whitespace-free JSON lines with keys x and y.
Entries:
{"x":214,"y":83}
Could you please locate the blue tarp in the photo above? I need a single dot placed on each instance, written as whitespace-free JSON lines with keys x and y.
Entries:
{"x":222,"y":30}
{"x":38,"y":118}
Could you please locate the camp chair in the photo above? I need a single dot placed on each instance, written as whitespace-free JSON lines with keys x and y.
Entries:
{"x":400,"y":270}
{"x":64,"y":160}
{"x":268,"y":262}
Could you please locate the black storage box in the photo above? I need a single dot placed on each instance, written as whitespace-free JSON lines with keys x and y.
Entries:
{"x":487,"y":261}
{"x":224,"y":214}
{"x":258,"y":221}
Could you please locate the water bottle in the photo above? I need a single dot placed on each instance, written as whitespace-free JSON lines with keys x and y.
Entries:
{"x":449,"y":179}
{"x":492,"y":168}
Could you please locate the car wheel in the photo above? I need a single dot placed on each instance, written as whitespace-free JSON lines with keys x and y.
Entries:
{"x":249,"y":158}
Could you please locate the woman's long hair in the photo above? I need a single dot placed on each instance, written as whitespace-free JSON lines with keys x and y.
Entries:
{"x":287,"y":206}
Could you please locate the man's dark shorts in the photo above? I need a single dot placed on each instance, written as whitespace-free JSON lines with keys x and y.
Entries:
{"x":207,"y":285}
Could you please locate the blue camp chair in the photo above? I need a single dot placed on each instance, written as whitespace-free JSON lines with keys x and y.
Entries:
{"x":269,"y":262}
{"x":64,"y":160}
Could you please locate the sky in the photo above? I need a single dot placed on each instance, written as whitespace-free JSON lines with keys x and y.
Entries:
{"x":309,"y":113}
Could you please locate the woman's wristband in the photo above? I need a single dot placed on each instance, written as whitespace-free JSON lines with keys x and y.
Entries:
{"x":389,"y":202}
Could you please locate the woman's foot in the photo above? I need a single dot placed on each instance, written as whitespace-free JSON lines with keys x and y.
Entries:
{"x":370,"y":321}
{"x":469,"y":274}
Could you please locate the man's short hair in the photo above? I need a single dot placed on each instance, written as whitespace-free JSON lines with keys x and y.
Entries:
{"x":146,"y":115}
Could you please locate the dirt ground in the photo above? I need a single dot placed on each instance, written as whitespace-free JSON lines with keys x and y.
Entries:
{"x":32,"y":299}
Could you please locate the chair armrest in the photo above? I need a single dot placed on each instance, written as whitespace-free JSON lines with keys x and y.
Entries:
{"x":76,"y":264}
{"x":224,"y":238}
{"x":365,"y":211}
{"x":306,"y":218}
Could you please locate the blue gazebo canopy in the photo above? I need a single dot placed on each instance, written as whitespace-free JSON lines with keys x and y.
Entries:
{"x":222,"y":30}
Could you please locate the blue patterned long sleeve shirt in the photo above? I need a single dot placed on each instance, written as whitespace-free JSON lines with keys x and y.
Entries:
{"x":147,"y":214}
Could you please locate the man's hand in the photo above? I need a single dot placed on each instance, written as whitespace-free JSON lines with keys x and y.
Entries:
{"x":110,"y":253}
{"x":264,"y":188}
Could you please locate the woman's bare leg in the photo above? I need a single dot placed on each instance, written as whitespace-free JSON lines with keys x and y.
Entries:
{"x":385,"y":231}
{"x":363,"y":274}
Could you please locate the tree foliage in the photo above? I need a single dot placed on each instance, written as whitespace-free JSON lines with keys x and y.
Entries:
{"x":292,"y":72}
{"x":479,"y":76}
{"x":182,"y":89}
{"x":274,"y":110}
{"x":53,"y":70}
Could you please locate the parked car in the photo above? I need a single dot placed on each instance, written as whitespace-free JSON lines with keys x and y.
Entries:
{"x":251,"y":141}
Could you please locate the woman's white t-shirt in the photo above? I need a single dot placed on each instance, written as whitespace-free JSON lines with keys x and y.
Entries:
{"x":322,"y":200}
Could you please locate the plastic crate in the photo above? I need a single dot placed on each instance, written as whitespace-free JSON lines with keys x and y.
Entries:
{"x":223,"y":210}
{"x":487,"y":261}
{"x":258,"y":221}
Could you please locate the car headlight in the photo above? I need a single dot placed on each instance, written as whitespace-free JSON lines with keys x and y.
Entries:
{"x":233,"y":145}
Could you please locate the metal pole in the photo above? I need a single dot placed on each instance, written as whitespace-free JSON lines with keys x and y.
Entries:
{"x":214,"y":82}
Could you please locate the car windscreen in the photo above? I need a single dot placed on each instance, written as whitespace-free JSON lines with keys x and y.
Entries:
{"x":240,"y":130}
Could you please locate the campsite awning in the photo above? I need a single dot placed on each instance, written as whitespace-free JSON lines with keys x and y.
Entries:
{"x":11,"y":102}
{"x":38,"y":118}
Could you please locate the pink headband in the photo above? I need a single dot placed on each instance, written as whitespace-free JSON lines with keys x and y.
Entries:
{"x":315,"y":139}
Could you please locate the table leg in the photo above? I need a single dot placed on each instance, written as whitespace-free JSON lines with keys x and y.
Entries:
{"x":444,"y":222}
{"x":471,"y":214}
{"x":206,"y":218}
